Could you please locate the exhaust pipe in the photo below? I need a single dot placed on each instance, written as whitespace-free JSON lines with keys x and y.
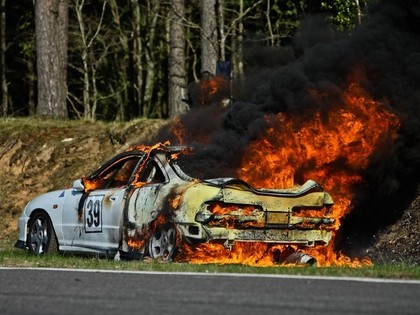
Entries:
{"x":300,"y":258}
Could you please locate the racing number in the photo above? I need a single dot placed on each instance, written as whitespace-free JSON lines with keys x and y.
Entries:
{"x":93,"y":209}
{"x":93,"y":214}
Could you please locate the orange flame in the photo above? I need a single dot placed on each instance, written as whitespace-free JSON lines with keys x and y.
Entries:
{"x":92,"y":184}
{"x":177,"y":129}
{"x":138,"y":240}
{"x":332,"y":150}
{"x":245,"y":253}
{"x":213,"y":90}
{"x":175,"y":201}
{"x":148,"y":148}
{"x":217,"y":209}
{"x":135,"y":243}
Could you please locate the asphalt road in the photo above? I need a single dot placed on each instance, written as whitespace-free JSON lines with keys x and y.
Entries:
{"x":40,"y":291}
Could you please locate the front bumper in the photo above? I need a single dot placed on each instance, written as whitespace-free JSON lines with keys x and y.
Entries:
{"x":22,"y":224}
{"x":20,"y":244}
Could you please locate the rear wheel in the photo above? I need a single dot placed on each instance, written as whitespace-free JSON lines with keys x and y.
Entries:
{"x":162,"y":244}
{"x":41,"y":237}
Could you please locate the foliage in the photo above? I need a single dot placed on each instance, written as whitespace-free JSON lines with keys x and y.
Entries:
{"x":344,"y":13}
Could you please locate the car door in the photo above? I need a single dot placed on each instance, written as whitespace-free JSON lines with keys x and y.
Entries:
{"x":149,"y":200}
{"x":96,"y":222}
{"x":102,"y":219}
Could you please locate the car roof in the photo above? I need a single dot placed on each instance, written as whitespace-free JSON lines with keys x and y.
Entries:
{"x":114,"y":159}
{"x":139,"y":153}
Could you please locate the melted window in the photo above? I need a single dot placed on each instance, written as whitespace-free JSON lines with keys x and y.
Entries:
{"x":118,"y":174}
{"x":152,"y":174}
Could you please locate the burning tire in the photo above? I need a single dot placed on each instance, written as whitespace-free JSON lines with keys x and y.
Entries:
{"x":41,"y":237}
{"x":162,"y":244}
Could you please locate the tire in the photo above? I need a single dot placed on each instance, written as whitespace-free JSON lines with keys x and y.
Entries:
{"x":41,"y":238}
{"x":162,"y":244}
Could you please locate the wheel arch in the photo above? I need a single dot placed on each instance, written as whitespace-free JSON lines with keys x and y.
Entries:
{"x":36,"y":211}
{"x":43,"y":211}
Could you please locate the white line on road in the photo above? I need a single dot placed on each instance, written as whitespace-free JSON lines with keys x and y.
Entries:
{"x":214,"y":274}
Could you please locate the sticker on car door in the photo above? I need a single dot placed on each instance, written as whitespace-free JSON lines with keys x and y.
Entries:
{"x":93,"y":214}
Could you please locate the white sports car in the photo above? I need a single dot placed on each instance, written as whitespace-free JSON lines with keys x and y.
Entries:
{"x":142,"y":203}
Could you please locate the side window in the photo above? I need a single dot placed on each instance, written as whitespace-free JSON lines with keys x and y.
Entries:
{"x":118,"y":174}
{"x":152,"y":174}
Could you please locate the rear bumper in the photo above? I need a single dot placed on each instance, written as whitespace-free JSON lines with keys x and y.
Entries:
{"x":308,"y":237}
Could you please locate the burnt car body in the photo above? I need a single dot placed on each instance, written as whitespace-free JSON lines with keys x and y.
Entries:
{"x":142,"y":201}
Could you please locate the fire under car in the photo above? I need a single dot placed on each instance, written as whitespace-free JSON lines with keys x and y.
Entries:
{"x":142,"y":203}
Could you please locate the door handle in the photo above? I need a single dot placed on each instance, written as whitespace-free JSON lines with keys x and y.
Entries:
{"x":113,"y":198}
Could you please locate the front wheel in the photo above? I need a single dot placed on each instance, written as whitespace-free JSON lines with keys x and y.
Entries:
{"x":162,"y":244}
{"x":41,"y":237}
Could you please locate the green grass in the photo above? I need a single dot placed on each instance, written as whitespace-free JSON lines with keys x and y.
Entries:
{"x":12,"y":257}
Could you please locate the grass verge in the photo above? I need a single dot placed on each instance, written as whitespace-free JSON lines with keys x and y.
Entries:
{"x":12,"y":257}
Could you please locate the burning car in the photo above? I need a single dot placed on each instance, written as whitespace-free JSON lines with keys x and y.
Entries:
{"x":141,"y":202}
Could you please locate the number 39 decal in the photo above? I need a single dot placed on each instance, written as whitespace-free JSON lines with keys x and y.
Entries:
{"x":93,"y":214}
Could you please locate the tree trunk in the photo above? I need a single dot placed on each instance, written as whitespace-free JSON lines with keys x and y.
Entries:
{"x":221,"y":14}
{"x":177,"y":75}
{"x":87,"y":110}
{"x":51,"y":21}
{"x":209,"y":46}
{"x":237,"y":38}
{"x":359,"y":12}
{"x":270,"y":28}
{"x":4,"y":91}
{"x":123,"y":63}
{"x":90,"y":59}
{"x":31,"y":87}
{"x":153,"y":8}
{"x":137,"y":60}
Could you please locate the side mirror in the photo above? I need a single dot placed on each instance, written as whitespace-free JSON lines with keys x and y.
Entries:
{"x":78,"y":185}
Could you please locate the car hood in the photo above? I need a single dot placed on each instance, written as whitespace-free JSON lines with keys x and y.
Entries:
{"x":47,"y":200}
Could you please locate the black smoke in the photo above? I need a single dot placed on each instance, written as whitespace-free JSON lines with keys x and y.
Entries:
{"x":385,"y":48}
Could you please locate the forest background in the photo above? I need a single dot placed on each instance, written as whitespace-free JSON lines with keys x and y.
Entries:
{"x":119,"y":60}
